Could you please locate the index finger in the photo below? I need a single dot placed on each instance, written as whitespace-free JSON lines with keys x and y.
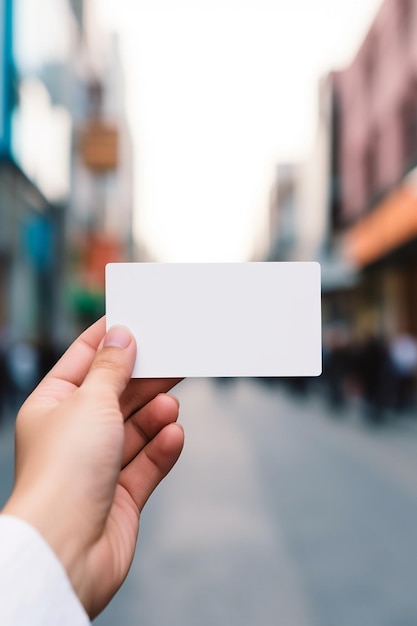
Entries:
{"x":72,"y":368}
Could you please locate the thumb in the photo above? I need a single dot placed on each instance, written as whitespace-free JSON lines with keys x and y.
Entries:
{"x":113,"y":364}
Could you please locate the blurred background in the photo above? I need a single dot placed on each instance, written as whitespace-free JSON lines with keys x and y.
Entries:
{"x":232,"y":131}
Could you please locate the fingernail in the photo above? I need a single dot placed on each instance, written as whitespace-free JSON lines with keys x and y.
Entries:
{"x":117,"y":337}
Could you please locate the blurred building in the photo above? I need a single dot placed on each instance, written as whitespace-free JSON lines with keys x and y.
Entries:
{"x":283,"y":201}
{"x":66,"y":166}
{"x":353,"y":204}
{"x":301,"y":206}
{"x":31,"y":225}
{"x":374,"y":209}
{"x":100,"y":226}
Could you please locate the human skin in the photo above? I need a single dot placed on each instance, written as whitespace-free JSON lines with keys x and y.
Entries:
{"x":92,"y":444}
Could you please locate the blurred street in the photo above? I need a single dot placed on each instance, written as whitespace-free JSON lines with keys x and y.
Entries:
{"x":278,"y":514}
{"x":158,"y":135}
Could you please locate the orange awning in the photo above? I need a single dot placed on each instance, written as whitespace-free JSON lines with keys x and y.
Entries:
{"x":390,"y":225}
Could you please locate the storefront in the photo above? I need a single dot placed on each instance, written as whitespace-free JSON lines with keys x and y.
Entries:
{"x":383,"y":245}
{"x":30,"y":257}
{"x":31,"y":224}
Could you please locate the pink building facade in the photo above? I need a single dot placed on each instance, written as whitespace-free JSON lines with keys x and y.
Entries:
{"x":374,"y":172}
{"x":377,"y":97}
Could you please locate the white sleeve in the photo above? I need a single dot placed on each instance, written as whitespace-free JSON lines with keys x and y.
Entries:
{"x":34,"y":587}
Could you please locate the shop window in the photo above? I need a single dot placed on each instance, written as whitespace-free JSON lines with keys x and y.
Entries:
{"x":405,"y":14}
{"x":335,"y":191}
{"x":370,"y":60}
{"x":408,"y":123}
{"x":371,"y":168}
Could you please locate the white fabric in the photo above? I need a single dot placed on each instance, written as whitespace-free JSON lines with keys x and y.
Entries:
{"x":34,"y":587}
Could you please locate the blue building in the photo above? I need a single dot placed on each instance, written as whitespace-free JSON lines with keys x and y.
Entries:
{"x":30,"y":224}
{"x":54,"y":62}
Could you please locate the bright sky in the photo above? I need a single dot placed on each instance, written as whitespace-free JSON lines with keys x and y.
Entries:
{"x":220,"y":91}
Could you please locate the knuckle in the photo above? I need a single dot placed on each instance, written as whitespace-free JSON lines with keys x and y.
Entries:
{"x":106,"y":361}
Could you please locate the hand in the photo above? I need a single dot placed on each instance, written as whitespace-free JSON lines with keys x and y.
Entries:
{"x":91,"y":446}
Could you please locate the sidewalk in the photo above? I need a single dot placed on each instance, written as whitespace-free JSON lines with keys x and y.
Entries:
{"x":389,"y":447}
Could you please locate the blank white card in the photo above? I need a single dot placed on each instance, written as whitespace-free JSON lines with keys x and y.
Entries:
{"x":219,"y":319}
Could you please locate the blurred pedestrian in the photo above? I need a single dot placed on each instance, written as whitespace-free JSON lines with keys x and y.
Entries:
{"x":5,"y":381}
{"x":22,"y":360}
{"x":373,"y":367}
{"x":336,"y":364}
{"x":48,"y":355}
{"x":4,"y":385}
{"x":403,"y":357}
